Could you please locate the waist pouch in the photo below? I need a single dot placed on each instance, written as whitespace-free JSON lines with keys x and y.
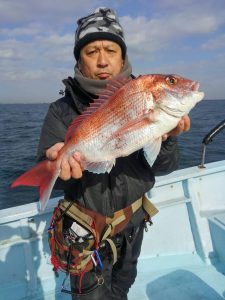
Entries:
{"x":76,"y":254}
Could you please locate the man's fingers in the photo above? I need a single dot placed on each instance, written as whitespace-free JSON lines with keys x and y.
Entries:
{"x":77,"y":156}
{"x":76,"y":171}
{"x":71,"y":167}
{"x":187,"y":123}
{"x":53,"y":151}
{"x":65,"y":173}
{"x":183,"y":126}
{"x":51,"y":155}
{"x":180,"y":127}
{"x":164,"y":137}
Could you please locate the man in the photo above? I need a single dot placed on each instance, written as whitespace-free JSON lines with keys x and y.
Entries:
{"x":100,"y":51}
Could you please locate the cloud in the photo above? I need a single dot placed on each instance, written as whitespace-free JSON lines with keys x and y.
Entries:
{"x":15,"y":50}
{"x":146,"y":36}
{"x":37,"y":39}
{"x":217,"y":42}
{"x":209,"y":72}
{"x":31,"y":29}
{"x":54,"y":40}
{"x":34,"y":37}
{"x":36,"y":61}
{"x":25,"y":11}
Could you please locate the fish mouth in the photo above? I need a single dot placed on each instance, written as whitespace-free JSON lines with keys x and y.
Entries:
{"x":199,"y":95}
{"x":195,"y":86}
{"x":195,"y":90}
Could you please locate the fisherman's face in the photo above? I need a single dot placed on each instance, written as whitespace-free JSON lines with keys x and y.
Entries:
{"x":100,"y":60}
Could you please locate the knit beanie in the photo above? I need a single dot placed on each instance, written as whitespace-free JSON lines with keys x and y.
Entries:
{"x":102,"y":24}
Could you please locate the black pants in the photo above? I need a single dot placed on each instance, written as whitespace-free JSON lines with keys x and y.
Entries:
{"x":119,"y":277}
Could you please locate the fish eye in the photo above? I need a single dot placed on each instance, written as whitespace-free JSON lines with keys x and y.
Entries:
{"x":171,"y":80}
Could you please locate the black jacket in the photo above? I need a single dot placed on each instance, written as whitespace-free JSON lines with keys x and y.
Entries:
{"x":129,"y":179}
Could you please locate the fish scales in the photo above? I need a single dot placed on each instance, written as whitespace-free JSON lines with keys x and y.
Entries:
{"x":128,"y":116}
{"x":105,"y":122}
{"x":103,"y":119}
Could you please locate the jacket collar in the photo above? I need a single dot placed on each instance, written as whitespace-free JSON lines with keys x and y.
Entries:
{"x":80,"y":97}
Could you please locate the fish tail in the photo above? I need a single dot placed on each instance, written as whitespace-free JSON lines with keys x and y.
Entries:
{"x":42,"y":175}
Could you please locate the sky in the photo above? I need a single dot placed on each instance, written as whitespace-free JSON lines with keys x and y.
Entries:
{"x":185,"y":37}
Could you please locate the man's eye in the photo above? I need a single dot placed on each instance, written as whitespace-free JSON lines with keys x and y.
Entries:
{"x":91,"y":52}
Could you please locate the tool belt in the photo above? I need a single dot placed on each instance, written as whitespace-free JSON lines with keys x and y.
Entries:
{"x":76,"y":254}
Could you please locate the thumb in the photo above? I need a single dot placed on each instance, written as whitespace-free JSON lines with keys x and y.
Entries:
{"x":53,"y":151}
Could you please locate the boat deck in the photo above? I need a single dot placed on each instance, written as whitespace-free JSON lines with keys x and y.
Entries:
{"x":182,"y":257}
{"x":174,"y":277}
{"x":181,"y":277}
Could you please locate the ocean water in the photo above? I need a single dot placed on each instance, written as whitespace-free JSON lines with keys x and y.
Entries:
{"x":20,"y":127}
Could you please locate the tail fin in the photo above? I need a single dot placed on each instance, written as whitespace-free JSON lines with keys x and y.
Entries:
{"x":43,"y":175}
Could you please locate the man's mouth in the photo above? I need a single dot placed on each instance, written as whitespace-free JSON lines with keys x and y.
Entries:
{"x":103,"y":76}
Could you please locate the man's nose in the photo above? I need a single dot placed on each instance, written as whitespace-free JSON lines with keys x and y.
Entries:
{"x":102,"y":59}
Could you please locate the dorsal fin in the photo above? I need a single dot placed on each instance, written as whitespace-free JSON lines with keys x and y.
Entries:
{"x":103,"y":97}
{"x":112,"y":87}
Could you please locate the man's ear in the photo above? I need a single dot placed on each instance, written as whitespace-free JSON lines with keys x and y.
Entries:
{"x":79,"y":64}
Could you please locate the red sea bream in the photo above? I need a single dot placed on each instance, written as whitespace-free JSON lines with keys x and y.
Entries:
{"x":127,"y":116}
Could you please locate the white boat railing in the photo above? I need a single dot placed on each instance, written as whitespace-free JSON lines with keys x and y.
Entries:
{"x":191,"y":205}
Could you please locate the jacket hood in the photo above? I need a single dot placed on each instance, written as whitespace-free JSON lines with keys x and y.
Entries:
{"x":80,"y":97}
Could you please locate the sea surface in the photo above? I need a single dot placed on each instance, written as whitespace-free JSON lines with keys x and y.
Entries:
{"x":20,"y":127}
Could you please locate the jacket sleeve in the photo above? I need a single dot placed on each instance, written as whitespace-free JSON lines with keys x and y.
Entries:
{"x":168,"y":158}
{"x":53,"y":131}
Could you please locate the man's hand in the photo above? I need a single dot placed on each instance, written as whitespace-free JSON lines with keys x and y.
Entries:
{"x":69,"y":167}
{"x":183,"y":126}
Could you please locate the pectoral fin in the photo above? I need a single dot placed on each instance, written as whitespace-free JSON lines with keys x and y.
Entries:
{"x":131,"y":126}
{"x":152,"y":149}
{"x":98,"y":167}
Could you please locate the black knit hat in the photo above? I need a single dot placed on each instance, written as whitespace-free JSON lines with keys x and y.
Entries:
{"x":103,"y":24}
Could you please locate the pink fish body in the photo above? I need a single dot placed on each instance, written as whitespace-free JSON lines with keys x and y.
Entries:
{"x":127,"y":116}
